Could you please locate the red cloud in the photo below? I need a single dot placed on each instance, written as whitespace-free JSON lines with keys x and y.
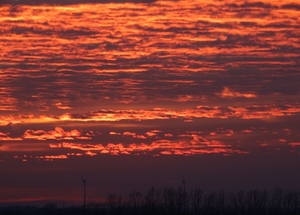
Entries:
{"x":109,"y":115}
{"x":4,"y":136}
{"x":227,"y":93}
{"x":294,"y":144}
{"x":190,"y":144}
{"x":58,"y":133}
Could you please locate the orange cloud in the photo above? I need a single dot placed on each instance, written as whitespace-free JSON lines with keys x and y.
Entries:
{"x":129,"y":134}
{"x":90,"y":153}
{"x":59,"y":105}
{"x":230,"y":132}
{"x":247,"y":131}
{"x":7,"y":103}
{"x":114,"y":133}
{"x":227,"y":93}
{"x":58,"y":133}
{"x":5,"y":137}
{"x":72,"y":45}
{"x":20,"y":146}
{"x":189,"y":145}
{"x":152,"y":133}
{"x":53,"y":157}
{"x":265,"y":111}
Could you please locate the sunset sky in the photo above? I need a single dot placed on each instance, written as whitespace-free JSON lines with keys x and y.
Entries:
{"x":135,"y":94}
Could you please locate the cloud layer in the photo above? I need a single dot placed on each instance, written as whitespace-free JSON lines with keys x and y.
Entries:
{"x":87,"y":87}
{"x":147,"y":65}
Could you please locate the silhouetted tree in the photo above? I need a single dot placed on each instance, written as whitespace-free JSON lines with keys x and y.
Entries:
{"x":152,"y":201}
{"x":275,"y":202}
{"x":196,"y":195}
{"x":111,"y":203}
{"x":134,"y":202}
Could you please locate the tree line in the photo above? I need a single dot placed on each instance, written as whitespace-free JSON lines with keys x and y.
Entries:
{"x":171,"y":201}
{"x":178,"y":201}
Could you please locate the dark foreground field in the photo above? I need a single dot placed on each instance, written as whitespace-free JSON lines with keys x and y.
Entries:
{"x":170,"y":201}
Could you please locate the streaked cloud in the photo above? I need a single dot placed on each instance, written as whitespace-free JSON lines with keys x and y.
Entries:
{"x":191,"y":144}
{"x":57,"y":133}
{"x":228,"y":93}
{"x":264,"y":112}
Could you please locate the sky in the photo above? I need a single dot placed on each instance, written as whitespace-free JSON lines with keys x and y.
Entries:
{"x":135,"y":94}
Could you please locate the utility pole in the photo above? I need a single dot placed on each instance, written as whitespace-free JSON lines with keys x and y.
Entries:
{"x":183,"y":183}
{"x":84,"y":193}
{"x":184,"y":194}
